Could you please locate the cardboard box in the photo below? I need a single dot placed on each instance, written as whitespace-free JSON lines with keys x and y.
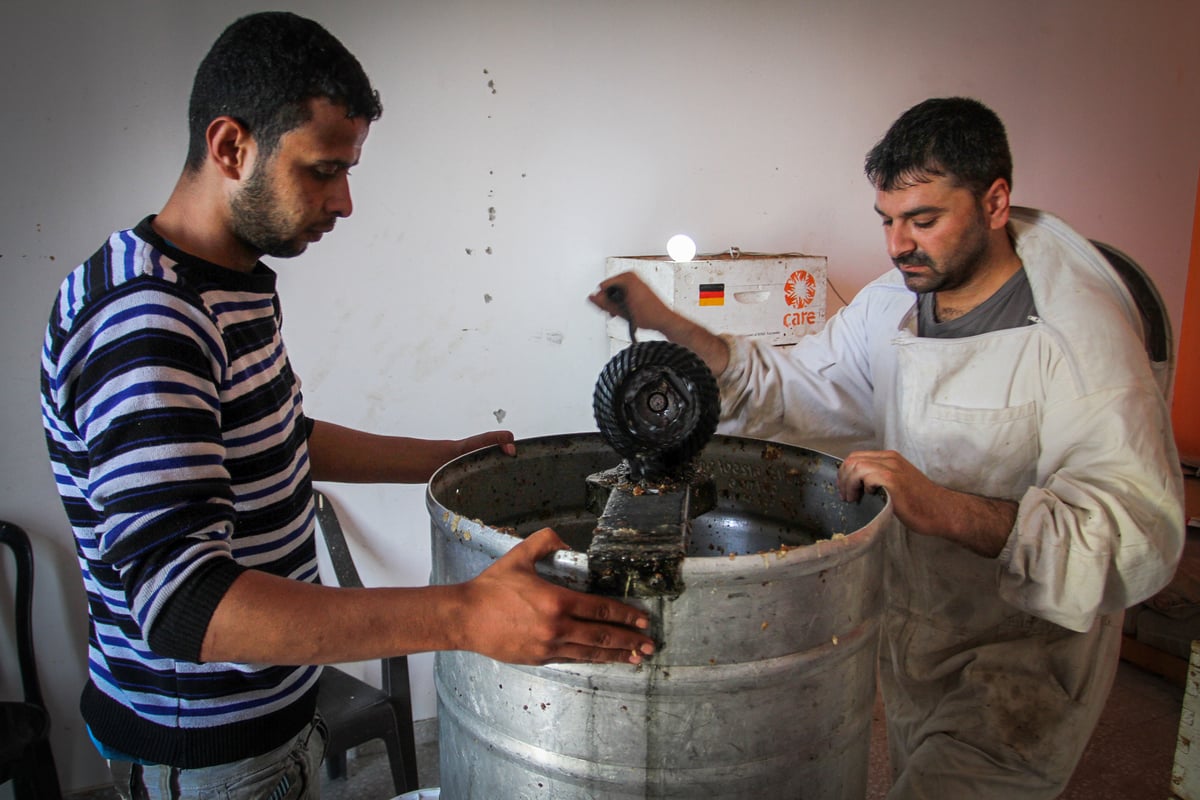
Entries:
{"x":776,"y":297}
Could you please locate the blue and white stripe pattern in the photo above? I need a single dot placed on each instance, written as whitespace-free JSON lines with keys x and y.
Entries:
{"x":178,"y":443}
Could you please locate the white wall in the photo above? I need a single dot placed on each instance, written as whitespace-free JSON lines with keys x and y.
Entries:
{"x":611,"y":126}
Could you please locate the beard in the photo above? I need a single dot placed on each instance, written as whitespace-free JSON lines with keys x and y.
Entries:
{"x":260,"y":222}
{"x":953,"y":271}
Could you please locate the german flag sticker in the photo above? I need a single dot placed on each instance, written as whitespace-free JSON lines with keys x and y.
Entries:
{"x":712,"y":294}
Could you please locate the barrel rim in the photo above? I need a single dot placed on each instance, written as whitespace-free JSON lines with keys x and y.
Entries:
{"x":497,"y":541}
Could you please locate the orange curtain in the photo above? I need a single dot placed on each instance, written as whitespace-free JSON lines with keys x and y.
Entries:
{"x":1185,"y":409}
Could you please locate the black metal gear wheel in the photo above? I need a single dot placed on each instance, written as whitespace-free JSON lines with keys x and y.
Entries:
{"x":657,"y":404}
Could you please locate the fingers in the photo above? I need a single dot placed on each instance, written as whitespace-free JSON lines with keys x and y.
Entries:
{"x":538,"y":545}
{"x":917,"y":502}
{"x":586,"y":607}
{"x":601,"y":629}
{"x":869,"y":470}
{"x":505,"y":441}
{"x":502,"y":439}
{"x":628,"y":281}
{"x":601,"y":301}
{"x":521,"y":618}
{"x":595,"y":608}
{"x":850,"y":478}
{"x":607,"y":631}
{"x":600,"y":296}
{"x":599,"y":655}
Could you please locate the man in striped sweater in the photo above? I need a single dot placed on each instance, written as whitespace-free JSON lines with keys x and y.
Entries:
{"x":185,"y":461}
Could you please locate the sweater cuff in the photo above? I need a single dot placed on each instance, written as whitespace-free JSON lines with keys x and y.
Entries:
{"x":179,"y":631}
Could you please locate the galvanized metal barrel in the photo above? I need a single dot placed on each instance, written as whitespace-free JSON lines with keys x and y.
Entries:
{"x":765,"y":680}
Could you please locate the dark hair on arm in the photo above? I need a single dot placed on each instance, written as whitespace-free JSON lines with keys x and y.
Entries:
{"x":955,"y":137}
{"x":263,"y":70}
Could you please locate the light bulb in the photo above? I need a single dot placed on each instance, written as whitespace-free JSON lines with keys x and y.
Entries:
{"x":680,"y":247}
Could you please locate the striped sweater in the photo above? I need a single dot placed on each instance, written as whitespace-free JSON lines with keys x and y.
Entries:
{"x":178,"y":443}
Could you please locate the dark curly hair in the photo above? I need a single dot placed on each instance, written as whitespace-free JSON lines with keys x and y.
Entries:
{"x":955,"y":137}
{"x":262,"y":71}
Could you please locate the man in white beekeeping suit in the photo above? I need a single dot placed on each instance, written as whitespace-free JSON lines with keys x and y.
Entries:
{"x":997,"y":386}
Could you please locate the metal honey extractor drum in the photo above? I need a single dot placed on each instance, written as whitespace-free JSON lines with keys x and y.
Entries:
{"x":764,"y":681}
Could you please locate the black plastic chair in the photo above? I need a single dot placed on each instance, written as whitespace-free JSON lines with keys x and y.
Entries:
{"x":25,"y":755}
{"x":355,"y":711}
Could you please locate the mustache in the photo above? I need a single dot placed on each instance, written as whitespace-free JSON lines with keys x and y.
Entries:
{"x":913,"y":259}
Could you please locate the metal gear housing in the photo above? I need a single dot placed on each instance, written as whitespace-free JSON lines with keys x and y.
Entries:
{"x":657,"y":404}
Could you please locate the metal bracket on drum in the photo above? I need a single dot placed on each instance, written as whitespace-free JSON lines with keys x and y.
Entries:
{"x":656,"y":403}
{"x":641,"y":534}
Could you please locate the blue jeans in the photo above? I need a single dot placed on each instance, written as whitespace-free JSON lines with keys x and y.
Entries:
{"x":291,"y":771}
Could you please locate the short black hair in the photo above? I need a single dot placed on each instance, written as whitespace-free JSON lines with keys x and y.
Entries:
{"x":263,"y":70}
{"x":955,"y":137}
